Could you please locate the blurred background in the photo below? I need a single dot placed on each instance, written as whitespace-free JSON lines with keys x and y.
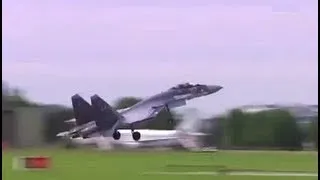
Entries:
{"x":273,"y":126}
{"x":264,"y":54}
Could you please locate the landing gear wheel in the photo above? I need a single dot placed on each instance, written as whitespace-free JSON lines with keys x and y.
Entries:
{"x":136,"y":136}
{"x":116,"y":135}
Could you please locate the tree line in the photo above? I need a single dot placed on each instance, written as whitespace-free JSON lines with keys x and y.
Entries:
{"x":273,"y":129}
{"x":276,"y":129}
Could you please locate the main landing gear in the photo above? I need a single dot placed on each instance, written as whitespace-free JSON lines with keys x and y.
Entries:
{"x":170,"y":120}
{"x":116,"y":135}
{"x":135,"y":135}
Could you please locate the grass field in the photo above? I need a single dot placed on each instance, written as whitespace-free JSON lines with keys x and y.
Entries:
{"x":89,"y":164}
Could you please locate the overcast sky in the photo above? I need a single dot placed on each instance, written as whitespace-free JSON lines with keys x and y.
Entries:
{"x":259,"y":51}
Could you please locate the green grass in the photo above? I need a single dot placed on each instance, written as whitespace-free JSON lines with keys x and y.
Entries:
{"x":89,"y":164}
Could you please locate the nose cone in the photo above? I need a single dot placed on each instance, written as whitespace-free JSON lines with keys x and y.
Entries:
{"x":214,"y":88}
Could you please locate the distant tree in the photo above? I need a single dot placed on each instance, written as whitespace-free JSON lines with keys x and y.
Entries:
{"x":234,"y":127}
{"x":305,"y":132}
{"x":14,"y":97}
{"x":126,"y":102}
{"x":214,"y":128}
{"x":286,"y":131}
{"x":258,"y":130}
{"x":275,"y":128}
{"x":313,"y":131}
{"x":55,"y":122}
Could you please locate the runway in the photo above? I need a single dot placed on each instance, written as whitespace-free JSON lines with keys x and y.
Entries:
{"x":208,"y":173}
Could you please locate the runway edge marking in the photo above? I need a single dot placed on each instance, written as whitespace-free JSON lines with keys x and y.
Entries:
{"x":288,"y":174}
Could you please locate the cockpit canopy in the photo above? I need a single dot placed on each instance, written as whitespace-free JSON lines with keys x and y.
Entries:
{"x":199,"y":89}
{"x":183,"y":86}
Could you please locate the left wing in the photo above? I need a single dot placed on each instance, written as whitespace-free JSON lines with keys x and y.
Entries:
{"x":172,"y":104}
{"x":145,"y":113}
{"x":140,"y":115}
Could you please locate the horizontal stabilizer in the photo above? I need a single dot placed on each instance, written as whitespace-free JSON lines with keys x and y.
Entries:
{"x":70,"y":121}
{"x":62,"y":134}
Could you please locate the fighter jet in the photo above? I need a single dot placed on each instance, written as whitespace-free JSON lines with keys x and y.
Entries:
{"x":104,"y":120}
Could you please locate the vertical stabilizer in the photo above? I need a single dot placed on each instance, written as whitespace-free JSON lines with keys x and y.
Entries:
{"x":82,"y":110}
{"x":105,"y":116}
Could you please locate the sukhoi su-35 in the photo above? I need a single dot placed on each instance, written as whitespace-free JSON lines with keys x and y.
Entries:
{"x":100,"y":119}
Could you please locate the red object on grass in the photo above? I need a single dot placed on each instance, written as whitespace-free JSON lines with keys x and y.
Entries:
{"x":37,"y":162}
